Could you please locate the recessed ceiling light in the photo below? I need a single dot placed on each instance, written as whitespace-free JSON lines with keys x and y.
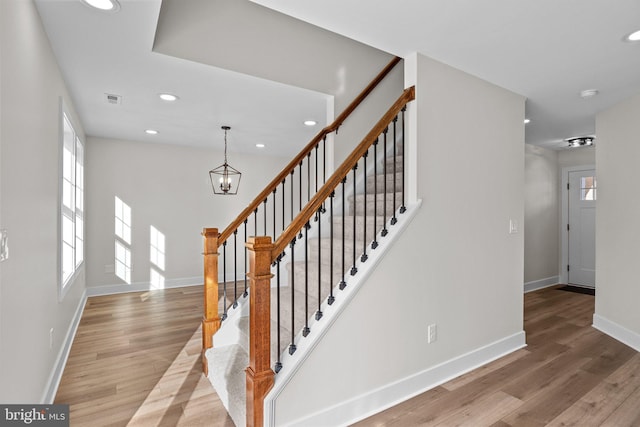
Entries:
{"x":633,"y":37}
{"x":588,"y":93}
{"x":260,"y":145}
{"x":106,"y":5}
{"x":168,"y":97}
{"x":151,"y":131}
{"x":527,"y":121}
{"x":310,"y":123}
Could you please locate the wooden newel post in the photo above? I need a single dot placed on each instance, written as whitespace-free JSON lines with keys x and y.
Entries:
{"x":211,"y":319}
{"x":260,"y":376}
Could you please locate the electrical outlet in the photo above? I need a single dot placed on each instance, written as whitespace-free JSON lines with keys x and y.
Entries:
{"x":50,"y":338}
{"x":432,"y":333}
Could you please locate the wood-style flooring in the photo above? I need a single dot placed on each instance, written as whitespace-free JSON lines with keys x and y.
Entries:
{"x":569,"y":374}
{"x":136,"y":361}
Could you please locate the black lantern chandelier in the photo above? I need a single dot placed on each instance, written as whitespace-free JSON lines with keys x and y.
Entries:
{"x":225,"y":179}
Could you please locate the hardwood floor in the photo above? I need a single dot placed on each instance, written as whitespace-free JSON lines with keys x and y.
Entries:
{"x":135,"y":361}
{"x":570,"y":374}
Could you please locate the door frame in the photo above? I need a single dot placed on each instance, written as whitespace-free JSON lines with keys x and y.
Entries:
{"x":564,"y":203}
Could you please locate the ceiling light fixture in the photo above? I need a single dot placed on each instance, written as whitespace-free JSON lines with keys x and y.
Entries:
{"x":633,"y":37}
{"x":527,"y":121}
{"x":310,"y":123}
{"x":588,"y":93}
{"x":168,"y":97}
{"x":105,"y":5}
{"x":260,"y":145}
{"x":151,"y":131}
{"x":222,"y":177}
{"x":580,"y":141}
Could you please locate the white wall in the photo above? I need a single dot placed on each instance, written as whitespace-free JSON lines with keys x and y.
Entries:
{"x":168,"y":187}
{"x":617,"y":225}
{"x":457,"y":266}
{"x":541,"y":215}
{"x":577,"y":156}
{"x":31,"y":89}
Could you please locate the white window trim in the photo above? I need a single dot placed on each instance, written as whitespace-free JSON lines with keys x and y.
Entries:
{"x":64,"y":284}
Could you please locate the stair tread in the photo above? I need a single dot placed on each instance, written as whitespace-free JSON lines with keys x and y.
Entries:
{"x":226,"y":374}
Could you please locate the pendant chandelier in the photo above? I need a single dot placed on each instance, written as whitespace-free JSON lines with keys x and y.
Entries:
{"x":225,"y":179}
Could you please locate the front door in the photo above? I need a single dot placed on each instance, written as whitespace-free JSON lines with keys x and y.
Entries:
{"x":582,"y":228}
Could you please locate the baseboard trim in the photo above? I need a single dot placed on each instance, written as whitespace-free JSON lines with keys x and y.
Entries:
{"x":142,"y":286}
{"x":616,"y":331}
{"x":541,"y":284}
{"x":61,"y":361}
{"x":392,"y":394}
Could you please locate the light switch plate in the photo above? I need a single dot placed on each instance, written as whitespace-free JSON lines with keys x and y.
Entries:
{"x":4,"y":245}
{"x":513,"y":226}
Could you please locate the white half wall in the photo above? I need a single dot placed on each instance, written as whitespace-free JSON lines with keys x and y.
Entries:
{"x":31,"y":90}
{"x":167,"y":187}
{"x":456,"y":267}
{"x":617,"y":225}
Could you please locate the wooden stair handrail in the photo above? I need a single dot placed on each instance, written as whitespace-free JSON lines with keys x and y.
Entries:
{"x":305,"y":151}
{"x":336,"y":178}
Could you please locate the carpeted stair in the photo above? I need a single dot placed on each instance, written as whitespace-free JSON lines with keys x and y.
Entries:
{"x":227,"y":363}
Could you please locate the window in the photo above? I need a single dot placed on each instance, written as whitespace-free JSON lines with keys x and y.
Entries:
{"x":588,"y":188}
{"x":156,"y":257}
{"x":123,"y":240}
{"x":72,"y":203}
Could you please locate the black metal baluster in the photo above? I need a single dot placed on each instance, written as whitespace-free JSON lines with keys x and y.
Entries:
{"x":331,"y":297}
{"x":319,"y":312}
{"x":292,"y":173}
{"x":354,"y":270}
{"x":224,"y":279}
{"x":283,"y":203}
{"x":324,"y":168}
{"x":264,"y":210}
{"x":403,"y":208}
{"x":384,"y":171}
{"x":300,"y":197}
{"x":374,"y":244}
{"x":364,"y":256}
{"x":324,"y":159}
{"x":300,"y":191}
{"x":274,"y":213}
{"x":255,"y":222}
{"x":395,"y":158}
{"x":306,"y":330}
{"x":343,"y":284}
{"x":308,"y":177}
{"x":292,"y":346}
{"x":245,"y":259}
{"x":278,"y":365}
{"x":235,"y":268}
{"x":317,"y":146}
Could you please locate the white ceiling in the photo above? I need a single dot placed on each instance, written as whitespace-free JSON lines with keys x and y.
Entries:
{"x":100,"y":52}
{"x":546,"y":50}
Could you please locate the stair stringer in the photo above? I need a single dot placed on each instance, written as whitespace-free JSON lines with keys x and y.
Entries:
{"x":305,"y":346}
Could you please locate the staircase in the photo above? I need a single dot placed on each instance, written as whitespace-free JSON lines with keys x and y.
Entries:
{"x":362,"y":222}
{"x":297,"y":271}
